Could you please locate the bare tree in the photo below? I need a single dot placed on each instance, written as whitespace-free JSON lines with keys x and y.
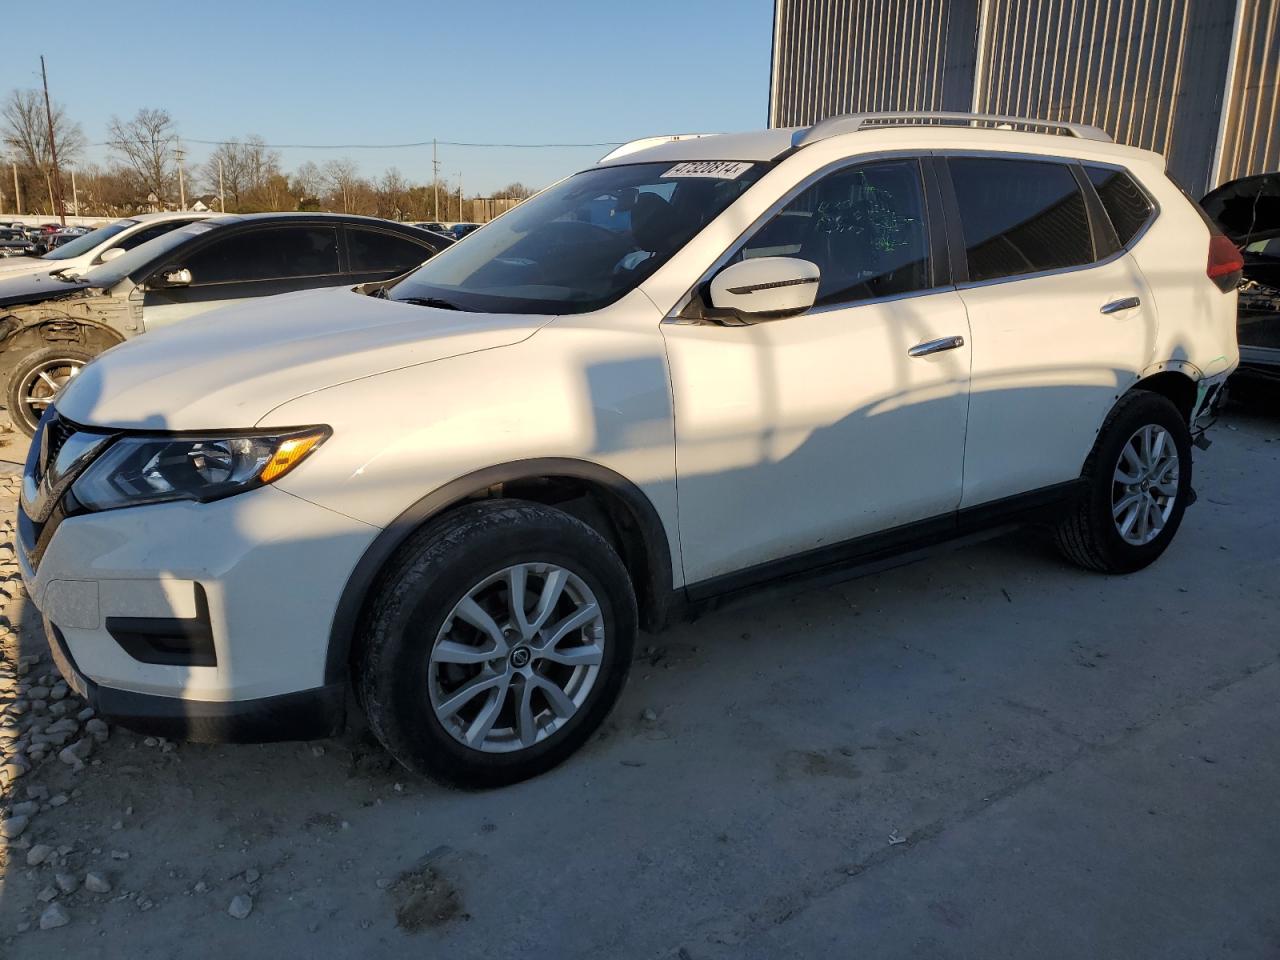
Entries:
{"x":343,"y":180}
{"x":517,"y":190}
{"x":145,"y":146}
{"x":307,"y":183}
{"x":249,"y":170}
{"x":392,"y":195}
{"x":24,"y":128}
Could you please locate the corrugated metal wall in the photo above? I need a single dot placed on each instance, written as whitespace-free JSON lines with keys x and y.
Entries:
{"x":842,"y":56}
{"x":1140,"y":69}
{"x":1250,"y":142}
{"x":1153,"y":73}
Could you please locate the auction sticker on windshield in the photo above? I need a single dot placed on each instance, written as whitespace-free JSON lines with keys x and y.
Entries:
{"x":715,"y":169}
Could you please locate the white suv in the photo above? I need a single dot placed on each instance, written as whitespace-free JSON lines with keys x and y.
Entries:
{"x":694,"y":369}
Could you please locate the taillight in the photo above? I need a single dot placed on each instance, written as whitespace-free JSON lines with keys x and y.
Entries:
{"x":1225,"y":263}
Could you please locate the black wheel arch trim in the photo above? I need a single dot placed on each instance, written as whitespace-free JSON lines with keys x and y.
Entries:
{"x":657,"y":596}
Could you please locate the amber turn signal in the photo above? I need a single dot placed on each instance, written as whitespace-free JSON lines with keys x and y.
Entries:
{"x":289,"y":454}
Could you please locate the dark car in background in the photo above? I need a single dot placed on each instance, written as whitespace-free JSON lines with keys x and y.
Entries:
{"x":51,"y":325}
{"x":14,"y":243}
{"x":1248,"y":212}
{"x":435,"y":226}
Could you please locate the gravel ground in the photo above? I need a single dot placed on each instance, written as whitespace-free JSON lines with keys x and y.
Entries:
{"x":987,"y":754}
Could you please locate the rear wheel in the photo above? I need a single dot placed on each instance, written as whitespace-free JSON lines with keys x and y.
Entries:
{"x":497,"y":642}
{"x":1139,"y":476}
{"x":37,"y":379}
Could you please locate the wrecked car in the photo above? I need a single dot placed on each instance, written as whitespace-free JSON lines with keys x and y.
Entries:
{"x":1248,"y":211}
{"x":51,"y":325}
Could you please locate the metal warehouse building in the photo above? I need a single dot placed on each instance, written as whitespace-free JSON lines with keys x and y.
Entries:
{"x":1193,"y":79}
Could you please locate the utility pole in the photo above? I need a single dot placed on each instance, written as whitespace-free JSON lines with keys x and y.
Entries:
{"x":222,"y":193}
{"x":75,"y":194}
{"x":17,"y":190}
{"x":179,"y":154}
{"x":435,"y":177}
{"x":460,"y":216}
{"x":53,"y":148}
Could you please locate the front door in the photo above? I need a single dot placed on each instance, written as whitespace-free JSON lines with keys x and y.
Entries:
{"x":245,"y":263}
{"x":797,"y":434}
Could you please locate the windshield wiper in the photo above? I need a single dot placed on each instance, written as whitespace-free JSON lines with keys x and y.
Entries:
{"x":430,"y":302}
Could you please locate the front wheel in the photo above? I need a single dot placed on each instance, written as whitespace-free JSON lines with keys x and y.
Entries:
{"x":1139,"y":477}
{"x":497,"y":642}
{"x":37,"y":379}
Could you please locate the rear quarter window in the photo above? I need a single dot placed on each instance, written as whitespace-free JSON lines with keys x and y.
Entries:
{"x":1126,"y":205}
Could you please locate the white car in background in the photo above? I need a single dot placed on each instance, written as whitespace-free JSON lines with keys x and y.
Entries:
{"x":99,"y":246}
{"x":693,"y":370}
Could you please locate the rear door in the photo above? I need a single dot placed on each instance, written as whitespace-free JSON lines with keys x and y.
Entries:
{"x":240,"y":264}
{"x":1061,"y":317}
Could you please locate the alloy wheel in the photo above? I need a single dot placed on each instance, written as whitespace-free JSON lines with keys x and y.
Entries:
{"x":1145,"y":485}
{"x":516,"y":658}
{"x":41,"y":385}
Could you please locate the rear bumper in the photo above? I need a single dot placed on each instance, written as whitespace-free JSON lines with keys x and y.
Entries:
{"x":302,"y":715}
{"x":1211,"y":393}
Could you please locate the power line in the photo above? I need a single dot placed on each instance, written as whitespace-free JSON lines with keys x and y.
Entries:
{"x":384,"y":146}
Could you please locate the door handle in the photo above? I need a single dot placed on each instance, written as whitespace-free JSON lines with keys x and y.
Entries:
{"x":1115,"y":306}
{"x":930,"y":347}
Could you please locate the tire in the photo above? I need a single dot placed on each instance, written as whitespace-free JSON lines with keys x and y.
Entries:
{"x":414,"y":618}
{"x":1091,"y":535}
{"x":27,"y":382}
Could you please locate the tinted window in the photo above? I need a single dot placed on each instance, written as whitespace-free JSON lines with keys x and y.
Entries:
{"x":863,"y":226}
{"x":1020,"y":216}
{"x":373,"y":250}
{"x":1125,"y":204}
{"x":270,"y":253}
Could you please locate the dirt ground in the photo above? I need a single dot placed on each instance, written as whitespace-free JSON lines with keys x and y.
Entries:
{"x":987,"y":754}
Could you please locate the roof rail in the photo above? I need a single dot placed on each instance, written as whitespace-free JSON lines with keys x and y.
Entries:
{"x":853,"y":122}
{"x":645,"y":142}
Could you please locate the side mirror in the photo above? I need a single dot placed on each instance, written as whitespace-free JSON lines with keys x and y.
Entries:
{"x":108,"y":255}
{"x":175,"y":278}
{"x":764,"y":288}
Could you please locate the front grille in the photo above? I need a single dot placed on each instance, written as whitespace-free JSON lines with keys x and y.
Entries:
{"x":57,"y":431}
{"x":47,"y":481}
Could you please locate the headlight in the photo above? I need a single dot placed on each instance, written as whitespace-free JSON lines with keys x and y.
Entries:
{"x":136,"y":470}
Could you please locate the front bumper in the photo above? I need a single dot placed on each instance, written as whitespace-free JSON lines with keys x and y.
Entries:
{"x":304,"y":715}
{"x":260,"y":573}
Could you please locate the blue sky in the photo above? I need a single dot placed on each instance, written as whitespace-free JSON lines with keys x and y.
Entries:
{"x":396,"y":71}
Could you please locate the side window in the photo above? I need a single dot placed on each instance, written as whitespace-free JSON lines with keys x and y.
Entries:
{"x":150,"y":233}
{"x":1126,"y":204}
{"x":1020,"y":216}
{"x":370,"y":250}
{"x":270,"y":253}
{"x":864,"y":226}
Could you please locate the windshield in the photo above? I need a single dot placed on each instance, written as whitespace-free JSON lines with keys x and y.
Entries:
{"x":143,"y":256}
{"x":84,"y":244}
{"x":583,"y":243}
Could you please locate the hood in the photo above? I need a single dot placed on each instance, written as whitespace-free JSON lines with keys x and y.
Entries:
{"x":36,"y":287}
{"x":230,"y":367}
{"x":13,"y":266}
{"x":1247,"y":209}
